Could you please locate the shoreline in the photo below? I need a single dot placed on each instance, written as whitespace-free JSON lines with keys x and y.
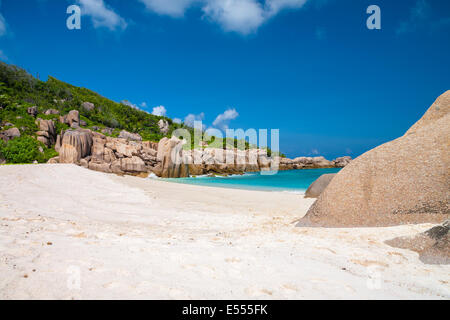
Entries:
{"x":133,"y":238}
{"x":292,"y":180}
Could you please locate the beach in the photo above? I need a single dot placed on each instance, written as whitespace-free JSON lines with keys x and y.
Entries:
{"x":71,"y":233}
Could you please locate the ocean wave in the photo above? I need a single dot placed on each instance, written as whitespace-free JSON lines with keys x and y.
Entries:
{"x":153,"y":176}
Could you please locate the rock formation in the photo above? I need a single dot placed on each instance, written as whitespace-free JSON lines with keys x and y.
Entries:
{"x":433,"y":245}
{"x":88,"y":106}
{"x":128,"y":154}
{"x":163,"y":126}
{"x":313,"y":163}
{"x":404,"y":181}
{"x":32,"y":111}
{"x":10,"y":134}
{"x":98,"y":152}
{"x":75,"y":145}
{"x":51,"y":111}
{"x":72,"y":119}
{"x":108,"y":131}
{"x":46,"y":133}
{"x":318,"y":186}
{"x":171,"y":160}
{"x":130,"y":136}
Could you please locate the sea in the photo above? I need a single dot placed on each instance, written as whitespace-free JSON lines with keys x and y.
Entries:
{"x":296,"y":181}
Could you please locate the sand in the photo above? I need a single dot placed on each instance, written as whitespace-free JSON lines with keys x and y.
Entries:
{"x":70,"y":233}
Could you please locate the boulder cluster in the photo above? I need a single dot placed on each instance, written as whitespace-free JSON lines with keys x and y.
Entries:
{"x":98,"y":152}
{"x":47,"y":132}
{"x":313,"y":163}
{"x":128,"y":154}
{"x":232,"y":161}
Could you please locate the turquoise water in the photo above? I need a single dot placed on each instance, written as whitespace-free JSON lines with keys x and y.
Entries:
{"x":291,"y":180}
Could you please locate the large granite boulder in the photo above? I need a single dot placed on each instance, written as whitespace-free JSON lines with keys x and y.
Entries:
{"x":47,"y":132}
{"x":240,"y":160}
{"x":432,"y":245}
{"x":170,"y":158}
{"x":195,"y":161}
{"x":163,"y":126}
{"x":75,"y":145}
{"x":403,"y":181}
{"x":286,"y":164}
{"x":58,"y":141}
{"x":101,"y":167}
{"x":10,"y":134}
{"x":53,"y":160}
{"x":133,"y":165}
{"x":72,"y":119}
{"x":318,"y":186}
{"x":123,"y":147}
{"x":88,"y":106}
{"x":130,"y":136}
{"x":312,"y":163}
{"x":216,"y":161}
{"x":252,"y":160}
{"x":98,"y":149}
{"x":51,"y":111}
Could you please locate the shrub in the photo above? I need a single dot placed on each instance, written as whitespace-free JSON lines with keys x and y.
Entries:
{"x":21,"y":150}
{"x":2,"y":146}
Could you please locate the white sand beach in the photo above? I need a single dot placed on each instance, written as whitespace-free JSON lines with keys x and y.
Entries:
{"x":71,"y":233}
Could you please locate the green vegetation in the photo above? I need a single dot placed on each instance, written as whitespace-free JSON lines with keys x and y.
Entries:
{"x":25,"y":150}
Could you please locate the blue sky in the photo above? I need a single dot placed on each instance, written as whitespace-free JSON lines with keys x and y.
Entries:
{"x":310,"y":68}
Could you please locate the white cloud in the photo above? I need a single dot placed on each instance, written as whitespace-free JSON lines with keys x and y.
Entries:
{"x":159,"y":111}
{"x":191,"y":118}
{"x":275,"y":6}
{"x":177,"y":120}
{"x":241,"y":16}
{"x":223,"y":119}
{"x":173,"y":8}
{"x":102,"y":15}
{"x":315,"y":152}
